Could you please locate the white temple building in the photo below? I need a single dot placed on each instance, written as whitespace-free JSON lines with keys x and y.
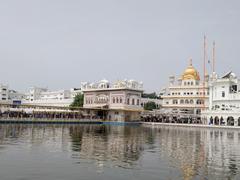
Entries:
{"x":187,"y":96}
{"x":224,"y":101}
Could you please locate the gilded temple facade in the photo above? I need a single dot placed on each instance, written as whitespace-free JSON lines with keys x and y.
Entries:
{"x":187,"y":96}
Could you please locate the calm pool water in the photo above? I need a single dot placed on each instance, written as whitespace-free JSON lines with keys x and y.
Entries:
{"x":79,"y":152}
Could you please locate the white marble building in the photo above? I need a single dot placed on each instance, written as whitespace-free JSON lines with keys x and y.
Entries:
{"x":44,"y":97}
{"x":224,"y":101}
{"x":188,"y":95}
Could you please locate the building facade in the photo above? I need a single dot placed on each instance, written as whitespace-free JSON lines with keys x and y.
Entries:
{"x":122,"y":100}
{"x":224,"y":101}
{"x":187,"y":96}
{"x":3,"y":93}
{"x":44,"y":97}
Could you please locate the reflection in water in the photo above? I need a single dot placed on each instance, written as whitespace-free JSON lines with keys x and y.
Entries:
{"x":119,"y":144}
{"x":192,"y":152}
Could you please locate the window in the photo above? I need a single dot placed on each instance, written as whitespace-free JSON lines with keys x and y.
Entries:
{"x":133,"y":101}
{"x":138,"y":102}
{"x":120,"y":100}
{"x":223,"y":94}
{"x":128,"y":101}
{"x":175,"y":101}
{"x":113,"y":100}
{"x":233,"y":89}
{"x":198,"y":111}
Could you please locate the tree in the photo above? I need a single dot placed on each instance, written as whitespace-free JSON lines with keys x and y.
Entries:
{"x":150,"y":106}
{"x":78,"y":101}
{"x":150,"y":95}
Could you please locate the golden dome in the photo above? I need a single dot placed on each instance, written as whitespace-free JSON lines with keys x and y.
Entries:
{"x":190,"y":73}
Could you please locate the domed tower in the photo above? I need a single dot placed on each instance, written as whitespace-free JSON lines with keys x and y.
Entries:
{"x":190,"y":75}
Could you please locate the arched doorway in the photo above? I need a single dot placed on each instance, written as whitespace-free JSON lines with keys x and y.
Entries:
{"x":230,"y":121}
{"x":216,"y":120}
{"x":222,"y":121}
{"x":211,"y":120}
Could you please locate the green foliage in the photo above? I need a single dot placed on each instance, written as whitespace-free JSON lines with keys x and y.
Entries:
{"x":78,"y":101}
{"x":150,"y":106}
{"x":150,"y":95}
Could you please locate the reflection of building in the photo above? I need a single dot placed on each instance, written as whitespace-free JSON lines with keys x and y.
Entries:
{"x":188,"y":95}
{"x":201,"y":153}
{"x":224,"y":101}
{"x":122,"y":145}
{"x":122,"y":99}
{"x":184,"y":148}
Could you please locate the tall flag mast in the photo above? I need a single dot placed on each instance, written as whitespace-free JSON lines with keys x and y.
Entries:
{"x":204,"y":69}
{"x":214,"y":56}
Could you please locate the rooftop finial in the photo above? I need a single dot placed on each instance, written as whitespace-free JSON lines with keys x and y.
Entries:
{"x":190,"y":61}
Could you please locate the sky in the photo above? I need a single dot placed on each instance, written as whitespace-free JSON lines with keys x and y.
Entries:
{"x":60,"y":43}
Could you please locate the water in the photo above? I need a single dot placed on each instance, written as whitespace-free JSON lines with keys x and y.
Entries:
{"x":89,"y":152}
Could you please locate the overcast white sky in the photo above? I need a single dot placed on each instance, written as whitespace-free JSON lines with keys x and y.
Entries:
{"x":60,"y":43}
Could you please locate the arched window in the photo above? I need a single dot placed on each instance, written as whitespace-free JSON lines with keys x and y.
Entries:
{"x":191,"y":101}
{"x":198,"y":101}
{"x":186,"y":101}
{"x":120,"y":100}
{"x":114,"y":100}
{"x":128,"y":101}
{"x":182,"y":101}
{"x":133,"y":101}
{"x":175,"y":101}
{"x":138,"y":102}
{"x":198,"y":111}
{"x":117,"y":100}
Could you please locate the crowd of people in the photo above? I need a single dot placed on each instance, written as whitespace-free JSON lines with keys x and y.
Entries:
{"x":169,"y":119}
{"x":41,"y":115}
